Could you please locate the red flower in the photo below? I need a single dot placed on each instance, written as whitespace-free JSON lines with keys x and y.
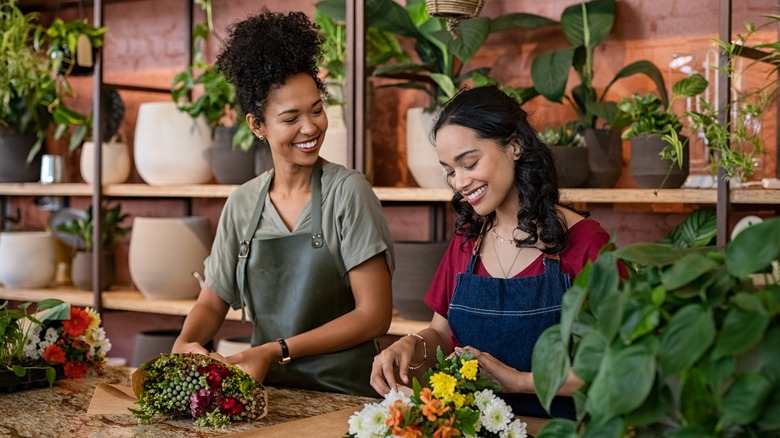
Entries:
{"x":77,"y":324}
{"x":75,"y":370}
{"x":216,"y":373}
{"x":54,"y":353}
{"x":231,"y":406}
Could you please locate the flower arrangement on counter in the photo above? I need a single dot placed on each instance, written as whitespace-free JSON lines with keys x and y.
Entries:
{"x":186,"y":384}
{"x":457,"y":401}
{"x":79,"y":343}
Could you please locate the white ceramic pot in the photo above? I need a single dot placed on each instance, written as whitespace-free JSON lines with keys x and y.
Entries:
{"x":27,"y":259}
{"x":421,"y":155}
{"x":334,"y":146}
{"x":165,"y":252}
{"x":115,"y":159}
{"x":170,"y":145}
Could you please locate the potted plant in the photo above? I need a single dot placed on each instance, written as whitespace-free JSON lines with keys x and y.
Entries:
{"x":216,"y":102}
{"x":112,"y":233}
{"x":72,"y":45}
{"x":115,"y":156}
{"x":659,"y":151}
{"x":440,"y":71}
{"x":685,"y":344}
{"x":16,"y":371}
{"x":585,"y":25}
{"x":569,"y":151}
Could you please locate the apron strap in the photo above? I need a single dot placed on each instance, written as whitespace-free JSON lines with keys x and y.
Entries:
{"x":316,"y":206}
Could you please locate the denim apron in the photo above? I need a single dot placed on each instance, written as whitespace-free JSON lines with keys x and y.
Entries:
{"x":505,"y":317}
{"x":291,"y":285}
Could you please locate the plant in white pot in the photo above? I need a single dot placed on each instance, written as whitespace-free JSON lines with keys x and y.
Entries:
{"x":115,"y":155}
{"x":112,"y":233}
{"x":659,"y":151}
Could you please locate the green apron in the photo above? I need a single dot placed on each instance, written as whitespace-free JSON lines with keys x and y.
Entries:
{"x":291,"y":285}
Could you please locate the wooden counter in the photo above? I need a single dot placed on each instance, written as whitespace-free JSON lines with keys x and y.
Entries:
{"x":62,"y":411}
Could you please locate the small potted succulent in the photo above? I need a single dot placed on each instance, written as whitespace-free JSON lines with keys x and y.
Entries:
{"x":659,"y":151}
{"x":112,"y":233}
{"x":569,"y":151}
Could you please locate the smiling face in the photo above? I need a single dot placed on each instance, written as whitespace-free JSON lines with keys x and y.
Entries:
{"x":295,"y":121}
{"x":480,"y":169}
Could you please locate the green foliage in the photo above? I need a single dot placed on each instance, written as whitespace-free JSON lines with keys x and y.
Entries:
{"x":686,"y":341}
{"x":62,"y":38}
{"x":564,"y":136}
{"x":442,"y":56}
{"x":111,"y":230}
{"x":585,"y":26}
{"x":16,"y":324}
{"x":697,"y":230}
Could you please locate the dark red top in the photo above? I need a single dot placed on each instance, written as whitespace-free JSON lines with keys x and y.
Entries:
{"x":586,"y":238}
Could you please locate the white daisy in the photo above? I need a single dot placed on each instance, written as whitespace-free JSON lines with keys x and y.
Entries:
{"x":495,"y":416}
{"x":392,"y":396}
{"x":370,"y":422}
{"x":482,"y":398}
{"x":51,"y":336}
{"x":516,"y":429}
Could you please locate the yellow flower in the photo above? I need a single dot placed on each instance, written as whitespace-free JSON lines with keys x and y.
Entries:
{"x":94,"y":323}
{"x":457,"y":399}
{"x":443,"y":385}
{"x":469,"y":369}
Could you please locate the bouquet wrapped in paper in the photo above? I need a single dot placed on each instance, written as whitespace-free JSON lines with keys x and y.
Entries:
{"x":204,"y":388}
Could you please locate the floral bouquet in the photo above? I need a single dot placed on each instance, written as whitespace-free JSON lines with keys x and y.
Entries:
{"x":186,"y":384}
{"x":79,"y":343}
{"x":457,"y":401}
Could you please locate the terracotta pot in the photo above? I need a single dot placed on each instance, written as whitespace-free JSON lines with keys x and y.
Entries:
{"x":421,"y":156}
{"x":649,"y":170}
{"x":81,"y":270}
{"x":605,"y":157}
{"x":169,"y":145}
{"x":27,"y":259}
{"x":115,"y":162}
{"x":165,"y":252}
{"x":570,"y":165}
{"x":415,"y":266}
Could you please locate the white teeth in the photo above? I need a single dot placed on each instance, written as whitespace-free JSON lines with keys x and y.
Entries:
{"x":307,"y":145}
{"x":476,"y":193}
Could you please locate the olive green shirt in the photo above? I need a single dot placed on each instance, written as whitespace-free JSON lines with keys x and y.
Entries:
{"x":353,"y":225}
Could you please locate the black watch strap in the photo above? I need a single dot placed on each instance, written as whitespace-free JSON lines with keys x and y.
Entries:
{"x":285,"y":352}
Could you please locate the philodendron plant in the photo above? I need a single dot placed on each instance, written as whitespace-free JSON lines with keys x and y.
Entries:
{"x":685,"y":344}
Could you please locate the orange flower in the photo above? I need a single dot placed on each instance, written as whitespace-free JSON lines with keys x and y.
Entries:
{"x":77,"y":324}
{"x":75,"y":370}
{"x":431,"y":408}
{"x":54,"y":353}
{"x":396,"y":418}
{"x":446,"y":430}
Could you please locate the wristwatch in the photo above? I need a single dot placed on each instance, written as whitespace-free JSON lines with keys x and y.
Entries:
{"x":285,"y":352}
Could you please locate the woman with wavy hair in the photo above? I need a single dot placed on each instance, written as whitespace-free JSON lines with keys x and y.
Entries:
{"x":304,"y":248}
{"x":515,"y":251}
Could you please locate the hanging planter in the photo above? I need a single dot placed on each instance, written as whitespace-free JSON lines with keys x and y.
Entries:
{"x":454,"y":10}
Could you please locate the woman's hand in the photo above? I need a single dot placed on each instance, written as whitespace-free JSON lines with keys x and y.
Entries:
{"x":510,"y":379}
{"x":189,"y":347}
{"x":395,"y":357}
{"x":257,"y":360}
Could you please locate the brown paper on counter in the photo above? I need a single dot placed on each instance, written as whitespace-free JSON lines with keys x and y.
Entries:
{"x":112,"y":400}
{"x":332,"y":424}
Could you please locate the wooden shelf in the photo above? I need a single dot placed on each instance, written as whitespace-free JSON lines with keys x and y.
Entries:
{"x":133,"y":301}
{"x":401,"y":194}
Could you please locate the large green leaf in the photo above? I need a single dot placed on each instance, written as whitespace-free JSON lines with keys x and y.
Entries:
{"x":742,"y":330}
{"x":589,"y":355}
{"x":591,"y":27}
{"x":689,"y":86}
{"x":520,"y":20}
{"x":559,"y":428}
{"x":570,"y":308}
{"x":686,"y":270}
{"x":697,"y":403}
{"x":754,"y":248}
{"x":623,"y":383}
{"x":550,"y":73}
{"x":690,"y":332}
{"x":648,"y":69}
{"x":652,"y":254}
{"x":641,"y":319}
{"x":770,"y":418}
{"x":391,"y":17}
{"x":745,"y":399}
{"x":655,"y":407}
{"x":697,"y":230}
{"x":550,"y":365}
{"x":770,"y":354}
{"x":471,"y":33}
{"x":612,"y":428}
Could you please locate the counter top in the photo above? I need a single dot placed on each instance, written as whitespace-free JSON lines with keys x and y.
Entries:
{"x":62,"y":411}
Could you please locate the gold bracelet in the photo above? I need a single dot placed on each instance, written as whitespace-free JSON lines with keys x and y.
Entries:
{"x":425,"y":351}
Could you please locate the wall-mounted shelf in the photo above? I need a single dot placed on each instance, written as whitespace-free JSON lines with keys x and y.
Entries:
{"x":403,"y":194}
{"x":133,"y":301}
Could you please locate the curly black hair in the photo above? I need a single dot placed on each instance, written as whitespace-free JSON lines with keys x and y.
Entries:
{"x":492,"y":115}
{"x":264,"y":50}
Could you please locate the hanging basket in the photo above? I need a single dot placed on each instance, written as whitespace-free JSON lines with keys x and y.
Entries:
{"x":454,"y":11}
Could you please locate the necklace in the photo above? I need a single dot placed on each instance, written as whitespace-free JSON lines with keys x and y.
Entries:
{"x":502,"y":238}
{"x":498,"y":259}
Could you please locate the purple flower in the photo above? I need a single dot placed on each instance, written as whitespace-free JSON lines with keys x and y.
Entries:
{"x":204,"y":401}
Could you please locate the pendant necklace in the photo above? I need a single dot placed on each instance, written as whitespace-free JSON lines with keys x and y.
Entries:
{"x":498,"y":259}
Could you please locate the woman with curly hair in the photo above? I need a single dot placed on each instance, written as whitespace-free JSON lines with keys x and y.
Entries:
{"x":514,"y":253}
{"x":303,"y":248}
